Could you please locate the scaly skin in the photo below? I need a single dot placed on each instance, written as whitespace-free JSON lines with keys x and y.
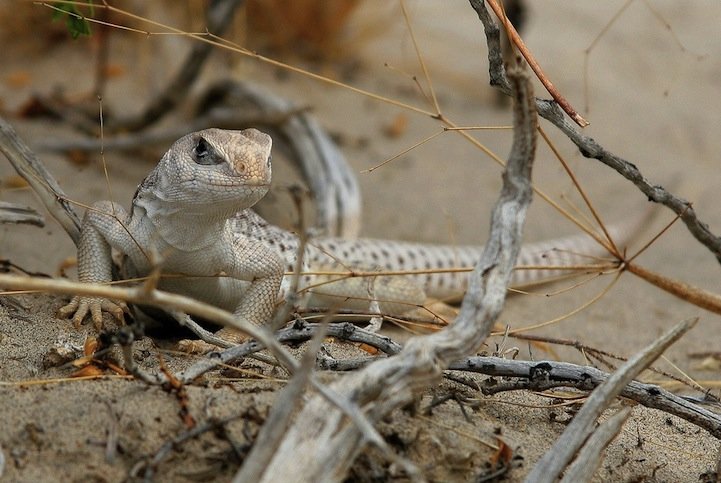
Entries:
{"x":179,"y":216}
{"x":192,"y":215}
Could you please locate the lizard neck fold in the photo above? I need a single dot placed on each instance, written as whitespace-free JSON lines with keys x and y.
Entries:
{"x":183,"y":227}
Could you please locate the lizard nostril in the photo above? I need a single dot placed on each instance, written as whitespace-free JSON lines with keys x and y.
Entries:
{"x":241,"y":167}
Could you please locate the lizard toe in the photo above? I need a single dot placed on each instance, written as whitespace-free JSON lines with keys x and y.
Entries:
{"x":79,"y":307}
{"x":70,"y":308}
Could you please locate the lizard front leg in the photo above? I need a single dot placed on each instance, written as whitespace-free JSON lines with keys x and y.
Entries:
{"x":263,"y":268}
{"x":249,"y":261}
{"x":104,"y":225}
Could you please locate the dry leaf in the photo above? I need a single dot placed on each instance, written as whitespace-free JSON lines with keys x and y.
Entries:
{"x":397,"y":127}
{"x":14,"y":181}
{"x":88,"y":371}
{"x":18,"y":79}
{"x":503,"y":456}
{"x":369,"y":349}
{"x":114,"y":70}
{"x":90,"y":346}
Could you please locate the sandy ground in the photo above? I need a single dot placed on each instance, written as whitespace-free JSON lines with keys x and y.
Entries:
{"x":649,"y":100}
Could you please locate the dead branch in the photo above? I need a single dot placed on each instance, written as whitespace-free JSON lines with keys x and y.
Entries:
{"x":535,"y":66}
{"x":324,"y":431}
{"x":299,"y":332}
{"x":589,"y":148}
{"x":40,"y":180}
{"x":532,"y":375}
{"x":590,"y":456}
{"x":326,"y":362}
{"x":550,"y":466}
{"x":543,"y":375}
{"x":147,"y":295}
{"x":14,"y":213}
{"x":527,"y":375}
{"x":694,"y":295}
{"x":219,"y":16}
{"x":280,"y":414}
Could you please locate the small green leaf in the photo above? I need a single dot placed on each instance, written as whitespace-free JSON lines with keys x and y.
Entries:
{"x":75,"y":20}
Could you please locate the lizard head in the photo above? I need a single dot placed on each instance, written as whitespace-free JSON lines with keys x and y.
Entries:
{"x":213,"y":172}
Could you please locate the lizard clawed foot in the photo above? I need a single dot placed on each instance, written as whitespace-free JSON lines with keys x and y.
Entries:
{"x":80,"y":306}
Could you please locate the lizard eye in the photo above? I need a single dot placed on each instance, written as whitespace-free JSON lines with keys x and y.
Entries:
{"x":203,"y":153}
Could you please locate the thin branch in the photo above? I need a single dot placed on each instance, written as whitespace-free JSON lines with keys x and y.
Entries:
{"x":14,"y":213}
{"x":390,"y":383}
{"x":611,"y":244}
{"x":590,"y":456}
{"x":589,"y":148}
{"x":518,"y":41}
{"x":550,"y":466}
{"x":40,"y":180}
{"x":168,"y":301}
{"x":542,"y":375}
{"x":142,"y":295}
{"x":422,"y":63}
{"x":701,"y":298}
{"x":299,"y":332}
{"x":220,"y":14}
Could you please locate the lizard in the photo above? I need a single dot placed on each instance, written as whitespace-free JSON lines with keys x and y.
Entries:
{"x":193,"y":212}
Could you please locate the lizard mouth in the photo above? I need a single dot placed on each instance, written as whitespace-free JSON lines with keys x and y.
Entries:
{"x":240,"y":183}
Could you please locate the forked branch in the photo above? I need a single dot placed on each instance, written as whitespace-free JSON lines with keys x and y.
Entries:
{"x":589,"y":148}
{"x":27,"y":164}
{"x":321,"y":430}
{"x":535,"y":66}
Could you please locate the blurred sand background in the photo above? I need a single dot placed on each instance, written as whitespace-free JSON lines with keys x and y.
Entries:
{"x":652,"y":98}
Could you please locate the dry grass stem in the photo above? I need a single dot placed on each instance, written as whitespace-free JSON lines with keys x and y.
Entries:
{"x":535,"y":66}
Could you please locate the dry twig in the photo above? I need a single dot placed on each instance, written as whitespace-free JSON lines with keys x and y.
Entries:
{"x":280,"y":414}
{"x":550,"y":466}
{"x":589,"y":148}
{"x":544,"y":375}
{"x":590,"y":455}
{"x":389,"y":383}
{"x":40,"y":180}
{"x":518,"y":42}
{"x":220,"y":14}
{"x":14,"y":213}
